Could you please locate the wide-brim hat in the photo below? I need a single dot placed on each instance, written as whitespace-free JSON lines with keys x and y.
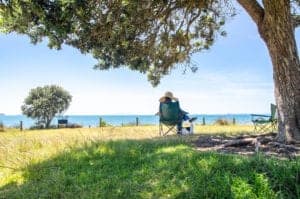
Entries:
{"x":169,"y":95}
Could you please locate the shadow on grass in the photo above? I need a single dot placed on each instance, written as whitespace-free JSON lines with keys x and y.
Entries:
{"x":155,"y":169}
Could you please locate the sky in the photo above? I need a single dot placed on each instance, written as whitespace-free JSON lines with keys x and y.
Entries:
{"x":234,"y":76}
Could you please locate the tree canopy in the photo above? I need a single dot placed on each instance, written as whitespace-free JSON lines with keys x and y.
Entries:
{"x":43,"y":103}
{"x":147,"y":36}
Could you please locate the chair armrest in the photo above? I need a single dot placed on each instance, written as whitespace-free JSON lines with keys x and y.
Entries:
{"x":260,"y":118}
{"x":258,"y":115}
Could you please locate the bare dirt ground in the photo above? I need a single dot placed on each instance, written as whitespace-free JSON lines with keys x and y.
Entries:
{"x":248,"y":145}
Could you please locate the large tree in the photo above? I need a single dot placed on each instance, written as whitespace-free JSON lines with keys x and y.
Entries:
{"x":153,"y":36}
{"x":43,"y":103}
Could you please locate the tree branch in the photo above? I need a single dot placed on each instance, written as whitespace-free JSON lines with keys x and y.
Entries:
{"x":253,"y":8}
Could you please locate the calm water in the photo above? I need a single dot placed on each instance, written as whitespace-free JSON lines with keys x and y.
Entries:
{"x":118,"y":120}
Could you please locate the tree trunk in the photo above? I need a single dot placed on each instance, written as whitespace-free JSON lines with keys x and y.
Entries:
{"x":48,"y":122}
{"x":277,"y":31}
{"x":276,"y":27}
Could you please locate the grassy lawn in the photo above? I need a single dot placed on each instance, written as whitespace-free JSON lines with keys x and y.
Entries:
{"x":133,"y":162}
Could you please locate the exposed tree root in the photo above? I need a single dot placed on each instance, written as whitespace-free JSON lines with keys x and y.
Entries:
{"x":247,"y":145}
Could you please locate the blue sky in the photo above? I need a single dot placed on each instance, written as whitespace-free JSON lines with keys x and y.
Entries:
{"x":234,"y":76}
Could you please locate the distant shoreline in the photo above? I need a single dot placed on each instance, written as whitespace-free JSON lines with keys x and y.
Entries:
{"x":120,"y":120}
{"x":99,"y":115}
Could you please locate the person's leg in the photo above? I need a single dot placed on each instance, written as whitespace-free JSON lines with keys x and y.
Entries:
{"x":179,"y":127}
{"x":192,"y":119}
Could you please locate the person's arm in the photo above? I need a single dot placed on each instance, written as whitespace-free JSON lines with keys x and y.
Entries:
{"x":159,"y":110}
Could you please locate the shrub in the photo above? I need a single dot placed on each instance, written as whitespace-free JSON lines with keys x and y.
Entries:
{"x":74,"y":126}
{"x":36,"y":127}
{"x":222,"y":122}
{"x":103,"y":123}
{"x":129,"y":124}
{"x":41,"y":126}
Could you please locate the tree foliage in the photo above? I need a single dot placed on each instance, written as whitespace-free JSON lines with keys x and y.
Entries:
{"x":43,"y":103}
{"x":147,"y":36}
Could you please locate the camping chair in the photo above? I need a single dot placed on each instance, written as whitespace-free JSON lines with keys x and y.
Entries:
{"x":265,"y":123}
{"x":170,"y":116}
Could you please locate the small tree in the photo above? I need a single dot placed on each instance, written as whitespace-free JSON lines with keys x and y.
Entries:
{"x":43,"y":103}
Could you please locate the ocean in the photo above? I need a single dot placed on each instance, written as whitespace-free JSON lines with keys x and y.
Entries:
{"x":119,"y":120}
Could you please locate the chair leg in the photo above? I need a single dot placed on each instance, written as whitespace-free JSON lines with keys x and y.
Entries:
{"x":160,"y":129}
{"x":264,"y":128}
{"x":169,"y":129}
{"x":274,"y":125}
{"x":255,"y":128}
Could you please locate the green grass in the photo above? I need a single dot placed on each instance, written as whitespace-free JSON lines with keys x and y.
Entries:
{"x":132,"y":162}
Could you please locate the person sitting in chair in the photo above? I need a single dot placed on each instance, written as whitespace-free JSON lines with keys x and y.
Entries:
{"x":168,"y":98}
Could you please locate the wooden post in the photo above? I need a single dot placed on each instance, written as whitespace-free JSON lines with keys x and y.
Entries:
{"x":100,"y":122}
{"x":203,"y":121}
{"x":137,"y":121}
{"x":1,"y":126}
{"x":21,"y":125}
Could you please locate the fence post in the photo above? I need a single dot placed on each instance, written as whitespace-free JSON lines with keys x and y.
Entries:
{"x":137,"y":121}
{"x":233,"y":121}
{"x":21,"y":125}
{"x":203,"y":121}
{"x":100,"y":122}
{"x":1,"y":126}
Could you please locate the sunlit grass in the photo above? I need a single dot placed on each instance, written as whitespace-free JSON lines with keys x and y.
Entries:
{"x":134,"y":162}
{"x":36,"y":145}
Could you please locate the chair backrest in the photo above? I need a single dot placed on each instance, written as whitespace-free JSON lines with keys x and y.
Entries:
{"x":170,"y":113}
{"x":273,"y":112}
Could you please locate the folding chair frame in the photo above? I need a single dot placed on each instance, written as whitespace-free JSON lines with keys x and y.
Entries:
{"x":170,"y":128}
{"x":170,"y":116}
{"x":265,"y":123}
